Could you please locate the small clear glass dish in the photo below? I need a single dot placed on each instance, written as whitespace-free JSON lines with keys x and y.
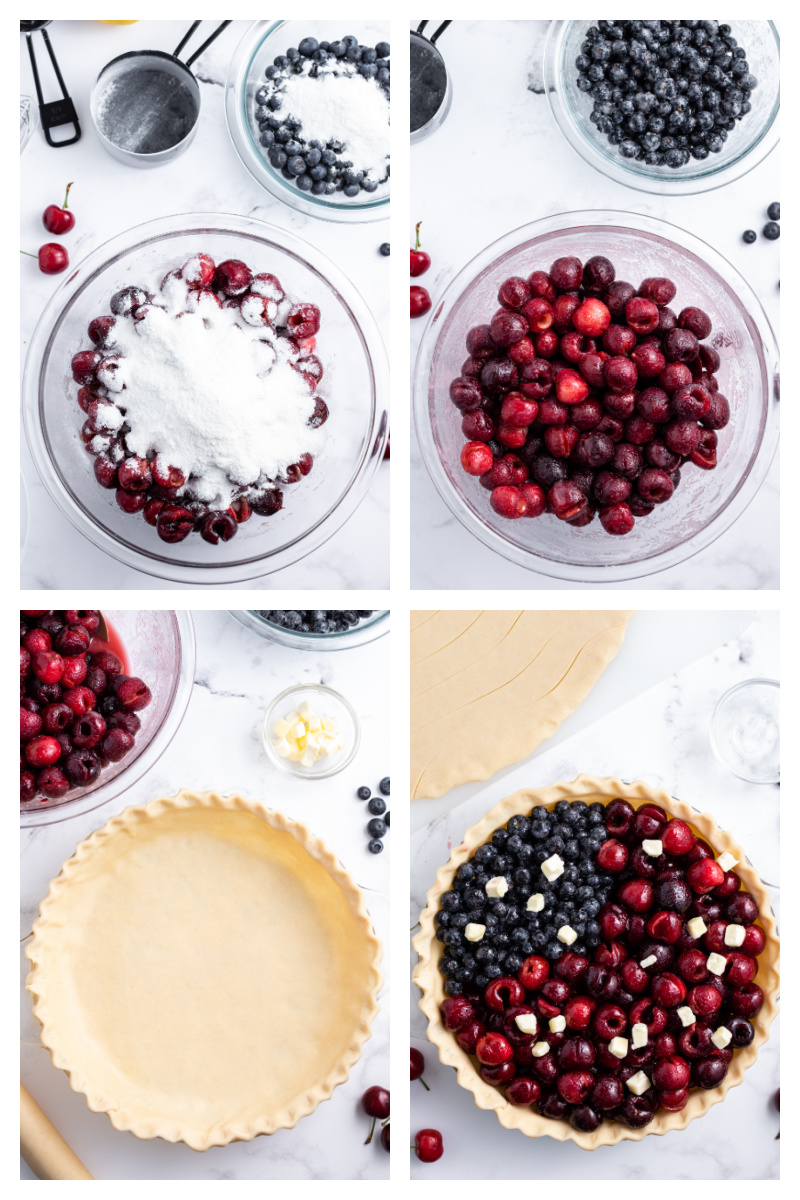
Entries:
{"x":325,"y":702}
{"x":262,"y":42}
{"x":754,"y":137}
{"x":746,"y":731}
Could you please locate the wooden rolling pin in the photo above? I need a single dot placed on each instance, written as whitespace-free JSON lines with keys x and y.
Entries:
{"x":42,"y":1146}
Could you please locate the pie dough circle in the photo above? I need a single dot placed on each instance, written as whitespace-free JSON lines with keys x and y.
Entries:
{"x":204,"y":969}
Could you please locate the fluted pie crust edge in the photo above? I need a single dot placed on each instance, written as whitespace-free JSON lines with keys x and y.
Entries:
{"x":49,"y":928}
{"x":429,"y":979}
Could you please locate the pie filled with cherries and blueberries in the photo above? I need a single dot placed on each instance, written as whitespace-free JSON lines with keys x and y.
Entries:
{"x":583,"y":395}
{"x":200,"y":395}
{"x":597,"y":961}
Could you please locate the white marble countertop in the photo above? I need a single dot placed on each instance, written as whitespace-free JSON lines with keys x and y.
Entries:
{"x":108,"y":198}
{"x":661,"y":736}
{"x":218,"y":747}
{"x":501,"y":160}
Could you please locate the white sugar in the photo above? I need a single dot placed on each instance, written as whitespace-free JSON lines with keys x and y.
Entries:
{"x":345,"y":108}
{"x":216,"y":398}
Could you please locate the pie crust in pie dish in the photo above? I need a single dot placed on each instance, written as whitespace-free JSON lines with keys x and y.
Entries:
{"x":429,"y":979}
{"x":176,"y":962}
{"x":517,"y":674}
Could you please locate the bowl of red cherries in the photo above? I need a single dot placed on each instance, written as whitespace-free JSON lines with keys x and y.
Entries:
{"x":595,"y":396}
{"x":102,"y":694}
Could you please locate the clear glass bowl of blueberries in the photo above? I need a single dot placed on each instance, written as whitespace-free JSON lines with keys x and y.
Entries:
{"x":671,"y":107}
{"x":333,"y":161}
{"x":316,"y":629}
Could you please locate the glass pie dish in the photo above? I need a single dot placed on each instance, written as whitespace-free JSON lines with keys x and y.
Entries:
{"x":754,"y":137}
{"x":263,"y":41}
{"x":610,"y":1131}
{"x":367,"y":630}
{"x":707,"y":502}
{"x":160,"y":647}
{"x":357,"y":391}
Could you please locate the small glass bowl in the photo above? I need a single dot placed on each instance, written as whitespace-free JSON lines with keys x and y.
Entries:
{"x":367,"y":630}
{"x":355,"y":388}
{"x":707,"y":502}
{"x":263,"y":41}
{"x":746,"y":731}
{"x":326,"y":702}
{"x":161,"y":649}
{"x":754,"y":137}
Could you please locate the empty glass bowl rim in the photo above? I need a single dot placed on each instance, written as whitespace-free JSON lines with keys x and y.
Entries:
{"x":157,"y":561}
{"x":686,"y":243}
{"x":182,"y":685}
{"x":284,"y":764}
{"x":593,"y":151}
{"x":250,"y":154}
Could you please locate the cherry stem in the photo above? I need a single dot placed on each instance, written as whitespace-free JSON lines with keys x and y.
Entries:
{"x":65,"y":205}
{"x":418,"y":225}
{"x":372,"y":1130}
{"x":424,"y":1084}
{"x":29,"y":254}
{"x":386,"y":1122}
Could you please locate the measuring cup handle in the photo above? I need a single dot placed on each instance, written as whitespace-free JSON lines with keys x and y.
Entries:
{"x":204,"y":46}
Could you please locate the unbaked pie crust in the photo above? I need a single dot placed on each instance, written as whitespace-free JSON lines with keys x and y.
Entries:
{"x":488,"y":687}
{"x":204,"y":970}
{"x":428,"y":977}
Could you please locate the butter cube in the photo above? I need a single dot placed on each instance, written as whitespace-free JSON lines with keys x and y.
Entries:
{"x":697,"y":927}
{"x":567,"y":935}
{"x":639,"y":1035}
{"x":526,"y":1022}
{"x":308,"y":758}
{"x":727,"y":861}
{"x":648,"y":962}
{"x":497,"y":887}
{"x":299,"y":730}
{"x":281,"y":728}
{"x":557,"y":1024}
{"x":540,"y":1049}
{"x":686,"y":1016}
{"x":552,"y":867}
{"x":329,"y":724}
{"x":535,"y":902}
{"x":638,"y":1083}
{"x":734,"y":935}
{"x":716,"y":964}
{"x":474,"y":932}
{"x":292,"y":718}
{"x":282,"y":748}
{"x":721,"y":1037}
{"x":652,"y":847}
{"x":618,"y":1046}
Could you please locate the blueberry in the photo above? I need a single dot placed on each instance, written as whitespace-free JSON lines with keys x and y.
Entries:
{"x":266,"y":137}
{"x":275,"y":103}
{"x":382,"y":49}
{"x":771,"y":231}
{"x":383,"y":786}
{"x":749,"y":236}
{"x":383,"y":75}
{"x":277,"y":159}
{"x":304,"y":182}
{"x":312,"y":157}
{"x":384,"y":249}
{"x":377,"y":806}
{"x":387,"y":820}
{"x":377,"y":828}
{"x":308,"y":46}
{"x":368,"y":70}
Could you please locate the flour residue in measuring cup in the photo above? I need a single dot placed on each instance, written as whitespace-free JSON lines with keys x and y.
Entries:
{"x":145,"y":111}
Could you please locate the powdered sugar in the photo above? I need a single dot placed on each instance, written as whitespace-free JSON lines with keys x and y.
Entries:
{"x":216,"y":397}
{"x":343,"y":107}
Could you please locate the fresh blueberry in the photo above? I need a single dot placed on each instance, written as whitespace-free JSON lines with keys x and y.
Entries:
{"x":384,"y":249}
{"x":749,"y":236}
{"x":771,"y":231}
{"x":308,"y":46}
{"x":383,"y":786}
{"x":363,"y":793}
{"x":377,"y":806}
{"x":377,"y":828}
{"x":375,"y":846}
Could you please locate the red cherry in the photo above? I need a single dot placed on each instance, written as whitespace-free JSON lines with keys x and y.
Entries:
{"x":59,"y":220}
{"x":420,"y":301}
{"x":420,"y":260}
{"x":417,"y":1067}
{"x":53,"y":259}
{"x":428,"y":1145}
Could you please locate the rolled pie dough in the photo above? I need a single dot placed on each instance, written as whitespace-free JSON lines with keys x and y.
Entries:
{"x":488,"y":687}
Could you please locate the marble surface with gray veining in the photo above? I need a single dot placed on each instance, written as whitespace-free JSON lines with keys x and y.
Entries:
{"x":499,"y":162}
{"x":109,"y":197}
{"x":218,"y":747}
{"x":661,"y":736}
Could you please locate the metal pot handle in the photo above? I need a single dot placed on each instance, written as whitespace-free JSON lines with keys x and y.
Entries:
{"x":205,"y":45}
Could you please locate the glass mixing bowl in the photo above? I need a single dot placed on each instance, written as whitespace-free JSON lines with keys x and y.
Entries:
{"x":161,"y":650}
{"x":750,"y":142}
{"x":257,"y":49}
{"x":325,"y":702}
{"x":367,"y":630}
{"x":355,"y":389}
{"x":707,"y":502}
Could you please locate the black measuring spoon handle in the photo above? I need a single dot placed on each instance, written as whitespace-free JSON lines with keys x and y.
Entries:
{"x":204,"y":46}
{"x":54,"y":113}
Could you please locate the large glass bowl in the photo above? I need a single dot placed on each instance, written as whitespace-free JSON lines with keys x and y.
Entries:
{"x":161,"y":650}
{"x":355,"y":388}
{"x":367,"y":630}
{"x":707,"y":502}
{"x":750,"y":142}
{"x":263,"y":41}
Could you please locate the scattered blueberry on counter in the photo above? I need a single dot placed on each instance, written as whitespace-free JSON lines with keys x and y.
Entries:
{"x":378,"y":827}
{"x":771,"y":231}
{"x":749,"y":236}
{"x":384,"y":249}
{"x":665,"y":91}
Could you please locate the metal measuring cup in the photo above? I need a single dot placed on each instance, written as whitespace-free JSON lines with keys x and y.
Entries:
{"x":145,"y":104}
{"x":431,"y":91}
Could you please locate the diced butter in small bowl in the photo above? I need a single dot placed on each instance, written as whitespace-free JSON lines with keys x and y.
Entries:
{"x":311,"y":731}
